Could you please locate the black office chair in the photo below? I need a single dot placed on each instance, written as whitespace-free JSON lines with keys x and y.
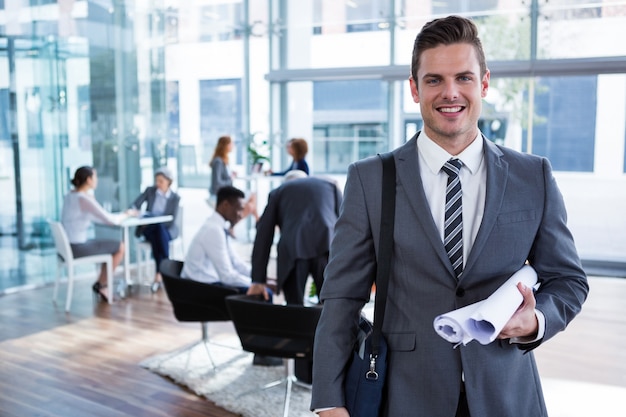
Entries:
{"x":285,"y":331}
{"x":194,"y":301}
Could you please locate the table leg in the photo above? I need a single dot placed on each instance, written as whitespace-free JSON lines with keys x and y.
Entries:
{"x":125,"y":233}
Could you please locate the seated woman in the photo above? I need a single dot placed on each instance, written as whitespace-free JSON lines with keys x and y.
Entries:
{"x":160,"y":201}
{"x":80,"y":210}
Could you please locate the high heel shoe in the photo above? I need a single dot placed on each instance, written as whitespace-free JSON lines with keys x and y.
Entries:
{"x":96,"y":289}
{"x":156,"y":285}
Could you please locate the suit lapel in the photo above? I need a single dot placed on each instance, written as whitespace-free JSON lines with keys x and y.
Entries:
{"x":151,"y":198}
{"x":497,"y":174}
{"x":411,"y":182}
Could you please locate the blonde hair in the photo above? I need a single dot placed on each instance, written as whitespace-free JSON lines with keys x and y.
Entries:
{"x":221,"y":149}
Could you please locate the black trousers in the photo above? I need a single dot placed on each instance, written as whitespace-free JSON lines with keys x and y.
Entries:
{"x":462,"y":409}
{"x":293,"y":290}
{"x":295,"y":283}
{"x":159,"y":238}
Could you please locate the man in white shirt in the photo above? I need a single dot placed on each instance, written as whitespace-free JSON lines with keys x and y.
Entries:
{"x":210,"y":258}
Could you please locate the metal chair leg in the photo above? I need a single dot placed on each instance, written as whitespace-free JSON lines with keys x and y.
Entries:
{"x":290,"y":380}
{"x":190,"y":347}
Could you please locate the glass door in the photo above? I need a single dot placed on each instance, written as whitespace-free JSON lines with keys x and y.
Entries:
{"x":33,"y":132}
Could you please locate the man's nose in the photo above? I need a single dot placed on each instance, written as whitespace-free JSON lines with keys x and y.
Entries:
{"x":450,"y":91}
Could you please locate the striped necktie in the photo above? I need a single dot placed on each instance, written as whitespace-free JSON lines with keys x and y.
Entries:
{"x":453,"y":223}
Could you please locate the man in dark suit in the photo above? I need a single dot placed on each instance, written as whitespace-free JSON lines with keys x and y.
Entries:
{"x":305,"y":210}
{"x":512,"y":214}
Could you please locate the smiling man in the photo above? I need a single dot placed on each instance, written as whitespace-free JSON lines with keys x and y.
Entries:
{"x":469,"y":214}
{"x":449,"y":82}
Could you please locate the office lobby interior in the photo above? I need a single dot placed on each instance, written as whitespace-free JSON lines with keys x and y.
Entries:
{"x":131,"y":86}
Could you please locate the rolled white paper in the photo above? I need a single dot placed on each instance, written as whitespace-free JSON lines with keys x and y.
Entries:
{"x":485,"y":319}
{"x":451,"y":326}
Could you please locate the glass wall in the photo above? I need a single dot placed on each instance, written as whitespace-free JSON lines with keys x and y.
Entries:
{"x":217,"y":62}
{"x":555,"y":79}
{"x":81,"y":83}
{"x":128,"y":86}
{"x":350,"y":122}
{"x":36,"y":98}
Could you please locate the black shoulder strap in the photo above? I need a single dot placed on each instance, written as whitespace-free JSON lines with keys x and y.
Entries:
{"x":385,"y":244}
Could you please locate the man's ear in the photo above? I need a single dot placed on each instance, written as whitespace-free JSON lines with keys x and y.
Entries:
{"x":485,"y":84}
{"x":414,"y":92}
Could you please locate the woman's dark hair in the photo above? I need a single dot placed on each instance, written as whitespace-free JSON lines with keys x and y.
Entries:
{"x":300,"y":148}
{"x":81,"y":176}
{"x":447,"y":31}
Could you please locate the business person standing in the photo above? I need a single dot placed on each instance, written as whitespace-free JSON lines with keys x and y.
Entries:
{"x":305,"y":210}
{"x":512,"y":213}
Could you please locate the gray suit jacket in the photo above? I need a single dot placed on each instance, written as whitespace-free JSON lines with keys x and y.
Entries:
{"x":524,"y":219}
{"x":171,"y":207}
{"x":306,"y":211}
{"x":220,"y":175}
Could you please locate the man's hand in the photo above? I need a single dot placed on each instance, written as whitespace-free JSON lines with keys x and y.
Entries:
{"x":335,"y":412}
{"x":524,"y":322}
{"x":258,"y":289}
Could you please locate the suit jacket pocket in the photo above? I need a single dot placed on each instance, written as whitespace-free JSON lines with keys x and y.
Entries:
{"x":401,"y":341}
{"x":516,"y":216}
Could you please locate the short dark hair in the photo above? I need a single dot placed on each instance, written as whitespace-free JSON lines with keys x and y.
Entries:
{"x":229,"y":193}
{"x":81,"y":176}
{"x":447,"y":31}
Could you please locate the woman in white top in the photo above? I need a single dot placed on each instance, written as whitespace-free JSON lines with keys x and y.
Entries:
{"x":80,"y":210}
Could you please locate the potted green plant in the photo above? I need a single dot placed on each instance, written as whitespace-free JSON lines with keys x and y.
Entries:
{"x":258,"y":152}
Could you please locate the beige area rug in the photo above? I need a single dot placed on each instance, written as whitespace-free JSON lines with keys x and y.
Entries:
{"x":235,"y":375}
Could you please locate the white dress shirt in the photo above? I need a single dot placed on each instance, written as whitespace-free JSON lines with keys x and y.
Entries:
{"x":473,"y":176}
{"x":210,"y":258}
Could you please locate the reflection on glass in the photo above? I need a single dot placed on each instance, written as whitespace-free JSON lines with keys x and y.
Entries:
{"x":581,"y":28}
{"x":350,"y":122}
{"x":220,"y":110}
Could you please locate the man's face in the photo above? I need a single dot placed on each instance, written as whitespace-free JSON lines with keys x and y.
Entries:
{"x":233,"y":210}
{"x":449,"y":89}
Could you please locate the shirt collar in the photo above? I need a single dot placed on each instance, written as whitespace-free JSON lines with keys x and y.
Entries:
{"x":435,"y":156}
{"x":221,"y":221}
{"x":167,"y":194}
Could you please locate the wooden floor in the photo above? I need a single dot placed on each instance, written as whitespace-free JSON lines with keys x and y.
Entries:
{"x":86,"y":363}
